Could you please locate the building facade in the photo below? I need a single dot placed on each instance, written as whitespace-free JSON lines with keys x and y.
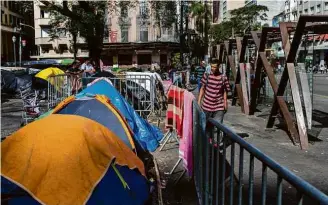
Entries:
{"x":11,"y":18}
{"x":125,"y":41}
{"x":317,"y":46}
{"x":274,"y":8}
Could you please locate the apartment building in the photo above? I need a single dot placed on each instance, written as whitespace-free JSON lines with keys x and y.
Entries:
{"x":129,"y":38}
{"x":274,"y":8}
{"x":317,"y":48}
{"x":227,"y":6}
{"x":11,"y":17}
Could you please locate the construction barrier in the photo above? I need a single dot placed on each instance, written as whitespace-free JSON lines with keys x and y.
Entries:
{"x":220,"y":153}
{"x":59,"y":88}
{"x":138,"y":90}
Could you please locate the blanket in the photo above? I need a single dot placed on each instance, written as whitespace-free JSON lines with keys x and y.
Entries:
{"x":174,"y":111}
{"x":185,"y":146}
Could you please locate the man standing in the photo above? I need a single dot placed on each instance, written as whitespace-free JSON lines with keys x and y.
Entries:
{"x":200,"y":73}
{"x":87,"y":68}
{"x":213,"y":94}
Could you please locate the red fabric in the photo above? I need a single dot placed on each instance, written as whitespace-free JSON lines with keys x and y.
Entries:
{"x":174,"y":113}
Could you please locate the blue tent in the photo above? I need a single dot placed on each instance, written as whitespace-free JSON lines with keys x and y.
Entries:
{"x":108,"y":191}
{"x":146,"y":135}
{"x":101,"y":112}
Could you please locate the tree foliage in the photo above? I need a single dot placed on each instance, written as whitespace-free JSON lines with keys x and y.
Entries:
{"x":197,"y":10}
{"x":86,"y":18}
{"x":242,"y":20}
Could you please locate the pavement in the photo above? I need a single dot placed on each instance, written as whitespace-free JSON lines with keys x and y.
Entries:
{"x":311,"y":164}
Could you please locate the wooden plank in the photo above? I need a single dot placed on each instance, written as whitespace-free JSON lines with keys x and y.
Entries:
{"x":244,"y":87}
{"x":306,"y":98}
{"x":298,"y":106}
{"x":248,"y":78}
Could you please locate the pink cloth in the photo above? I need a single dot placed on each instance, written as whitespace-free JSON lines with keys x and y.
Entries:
{"x":185,"y":147}
{"x":166,"y":85}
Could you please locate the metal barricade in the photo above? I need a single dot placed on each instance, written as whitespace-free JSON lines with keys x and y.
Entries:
{"x":138,"y":90}
{"x":267,"y":182}
{"x":59,"y":88}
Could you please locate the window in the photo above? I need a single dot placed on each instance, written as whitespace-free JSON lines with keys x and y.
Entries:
{"x":144,"y":34}
{"x":2,"y":16}
{"x":301,"y":2}
{"x":124,"y":11}
{"x":124,"y":34}
{"x":305,"y":11}
{"x":6,"y":19}
{"x":326,"y":5}
{"x":312,"y":10}
{"x":14,"y":21}
{"x":5,"y":3}
{"x":44,"y":14}
{"x":11,"y":19}
{"x":44,"y":32}
{"x":143,"y":10}
{"x":318,"y":8}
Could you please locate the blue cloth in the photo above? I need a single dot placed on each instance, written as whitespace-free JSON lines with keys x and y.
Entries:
{"x":199,"y":81}
{"x":147,"y":136}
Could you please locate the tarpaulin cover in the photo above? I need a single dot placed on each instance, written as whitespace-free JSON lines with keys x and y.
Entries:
{"x":68,"y":159}
{"x":11,"y":84}
{"x":99,"y":109}
{"x":146,"y":135}
{"x":46,"y":74}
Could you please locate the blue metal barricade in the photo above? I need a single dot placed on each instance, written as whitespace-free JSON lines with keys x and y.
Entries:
{"x":220,"y":154}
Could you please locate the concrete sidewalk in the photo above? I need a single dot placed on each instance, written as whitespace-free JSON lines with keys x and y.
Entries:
{"x":311,"y":165}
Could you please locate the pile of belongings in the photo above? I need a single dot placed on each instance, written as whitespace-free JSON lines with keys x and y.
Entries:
{"x":87,"y":150}
{"x":12,"y":84}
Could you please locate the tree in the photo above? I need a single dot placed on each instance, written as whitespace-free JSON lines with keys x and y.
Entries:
{"x":220,"y":32}
{"x":87,"y":18}
{"x":197,"y":10}
{"x":245,"y":18}
{"x":242,"y":20}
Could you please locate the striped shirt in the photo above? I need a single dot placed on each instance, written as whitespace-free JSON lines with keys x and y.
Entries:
{"x":214,"y":92}
{"x":200,"y":72}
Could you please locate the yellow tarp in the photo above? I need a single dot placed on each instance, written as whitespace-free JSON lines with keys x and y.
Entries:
{"x":61,"y":158}
{"x":57,"y":81}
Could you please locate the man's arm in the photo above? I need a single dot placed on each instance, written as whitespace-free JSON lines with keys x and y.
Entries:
{"x":226,"y":90}
{"x":200,"y":96}
{"x":225,"y":97}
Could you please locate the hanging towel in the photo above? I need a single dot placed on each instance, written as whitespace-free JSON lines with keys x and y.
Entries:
{"x":174,"y":110}
{"x":185,"y":147}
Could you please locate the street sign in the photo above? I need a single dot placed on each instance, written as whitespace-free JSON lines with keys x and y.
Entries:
{"x":24,"y":43}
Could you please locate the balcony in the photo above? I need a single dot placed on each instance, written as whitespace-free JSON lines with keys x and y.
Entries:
{"x":168,"y":38}
{"x":43,"y":21}
{"x":124,"y":21}
{"x":43,"y":41}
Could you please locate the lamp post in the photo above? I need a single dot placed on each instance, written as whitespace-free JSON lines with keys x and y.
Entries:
{"x":14,"y":43}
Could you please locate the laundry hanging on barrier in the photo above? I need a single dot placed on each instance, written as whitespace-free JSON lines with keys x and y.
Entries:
{"x":175,"y":109}
{"x":185,"y":146}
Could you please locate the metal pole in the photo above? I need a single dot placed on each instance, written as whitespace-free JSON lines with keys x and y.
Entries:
{"x":181,"y":32}
{"x":20,"y":49}
{"x":206,"y":31}
{"x":15,"y":53}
